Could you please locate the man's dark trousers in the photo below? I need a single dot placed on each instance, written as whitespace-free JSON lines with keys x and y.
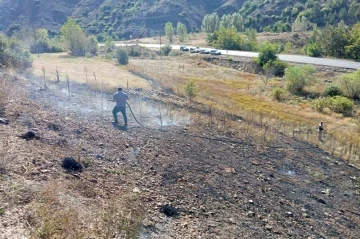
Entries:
{"x":118,"y":109}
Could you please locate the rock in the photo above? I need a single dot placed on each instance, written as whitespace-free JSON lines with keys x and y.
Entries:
{"x":71,"y":164}
{"x":136,"y":190}
{"x":232,"y":220}
{"x":268,"y":227}
{"x":29,"y":135}
{"x":99,"y":156}
{"x":289,"y":214}
{"x":169,"y":210}
{"x":230,"y":170}
{"x":250,"y":214}
{"x":4,"y":121}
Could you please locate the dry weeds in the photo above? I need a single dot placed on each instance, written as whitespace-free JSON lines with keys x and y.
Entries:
{"x":61,"y":213}
{"x":108,"y":75}
{"x":240,"y":94}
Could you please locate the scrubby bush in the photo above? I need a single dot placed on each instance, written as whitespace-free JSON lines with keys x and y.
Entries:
{"x":279,"y":68}
{"x":337,"y":104}
{"x":340,"y":104}
{"x":13,"y":54}
{"x":298,"y":77}
{"x":313,"y":49}
{"x":191,"y":89}
{"x":166,"y":49}
{"x":332,"y":90}
{"x":122,"y":56}
{"x":267,"y":53}
{"x":322,"y":103}
{"x":134,"y":51}
{"x":350,"y":84}
{"x":278,"y":94}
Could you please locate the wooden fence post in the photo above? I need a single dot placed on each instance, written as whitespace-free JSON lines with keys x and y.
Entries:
{"x":43,"y":70}
{"x":57,"y":75}
{"x":68,"y":84}
{"x":86,"y":75}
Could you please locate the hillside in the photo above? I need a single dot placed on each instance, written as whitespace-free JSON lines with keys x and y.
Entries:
{"x":118,"y":18}
{"x":140,"y":18}
{"x":188,"y":180}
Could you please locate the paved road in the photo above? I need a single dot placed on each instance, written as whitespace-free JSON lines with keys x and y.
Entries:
{"x":288,"y":58}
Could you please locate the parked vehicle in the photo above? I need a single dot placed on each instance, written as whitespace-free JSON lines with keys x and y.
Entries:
{"x":215,"y":52}
{"x":186,"y":49}
{"x":182,"y":48}
{"x":194,"y":50}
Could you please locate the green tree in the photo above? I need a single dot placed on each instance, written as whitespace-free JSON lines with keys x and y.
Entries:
{"x":267,"y":53}
{"x":353,"y":48}
{"x":238,"y":22}
{"x":191,"y":89}
{"x":333,"y":40}
{"x":226,"y":21}
{"x":169,"y":31}
{"x":313,"y":49}
{"x":74,"y":37}
{"x":301,"y":24}
{"x":122,"y":56}
{"x":230,"y":39}
{"x":297,"y":77}
{"x":181,"y":31}
{"x":92,"y":45}
{"x":210,"y":23}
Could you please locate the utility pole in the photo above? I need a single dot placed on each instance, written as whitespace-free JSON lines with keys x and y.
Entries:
{"x":160,"y":46}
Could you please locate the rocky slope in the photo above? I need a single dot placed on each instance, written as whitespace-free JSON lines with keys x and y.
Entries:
{"x":123,"y":18}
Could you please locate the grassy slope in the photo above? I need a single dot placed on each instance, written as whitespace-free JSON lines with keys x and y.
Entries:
{"x":231,"y":91}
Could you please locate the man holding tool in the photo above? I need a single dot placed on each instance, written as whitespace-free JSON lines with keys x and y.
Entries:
{"x":120,"y":98}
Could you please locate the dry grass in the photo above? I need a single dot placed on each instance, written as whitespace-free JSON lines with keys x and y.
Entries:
{"x":244,"y":94}
{"x":60,"y":213}
{"x":82,"y":70}
{"x":3,"y":95}
{"x":236,"y":93}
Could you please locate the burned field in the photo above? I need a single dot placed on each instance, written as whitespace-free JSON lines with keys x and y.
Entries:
{"x":188,"y":182}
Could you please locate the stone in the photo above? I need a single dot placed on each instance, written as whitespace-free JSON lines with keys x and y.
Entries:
{"x":250,"y":214}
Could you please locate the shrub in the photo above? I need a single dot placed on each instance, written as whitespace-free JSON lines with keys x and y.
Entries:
{"x":13,"y":54}
{"x":191,"y":89}
{"x":322,"y":103}
{"x":279,"y":68}
{"x":175,"y":53}
{"x":134,"y":51}
{"x":122,"y":56}
{"x":278,"y":94}
{"x":166,"y":49}
{"x":337,"y":104}
{"x":340,"y":104}
{"x":350,"y":84}
{"x":313,"y":49}
{"x":332,"y":90}
{"x":267,"y":52}
{"x":298,"y":77}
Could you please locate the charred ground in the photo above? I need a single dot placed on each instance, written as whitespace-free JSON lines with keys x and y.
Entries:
{"x":220,"y":187}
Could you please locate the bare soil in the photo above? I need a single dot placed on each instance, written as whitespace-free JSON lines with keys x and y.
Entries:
{"x":220,"y":186}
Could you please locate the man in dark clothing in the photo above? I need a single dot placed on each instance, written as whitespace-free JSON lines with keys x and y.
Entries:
{"x":320,"y":130}
{"x":120,"y":98}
